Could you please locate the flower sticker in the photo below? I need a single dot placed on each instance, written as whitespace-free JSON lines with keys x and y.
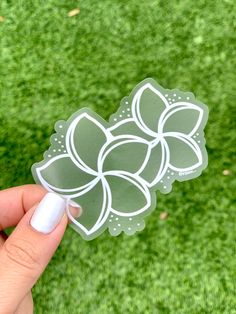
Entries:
{"x":112,"y":169}
{"x":97,"y":173}
{"x":173,"y":122}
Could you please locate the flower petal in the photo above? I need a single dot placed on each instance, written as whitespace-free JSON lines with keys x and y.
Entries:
{"x":128,"y":127}
{"x":182,"y":117}
{"x":185,"y":154}
{"x":117,"y":154}
{"x":84,"y":139}
{"x":94,"y":204}
{"x":157,"y":164}
{"x":61,"y":175}
{"x":129,"y":195}
{"x":147,"y":106}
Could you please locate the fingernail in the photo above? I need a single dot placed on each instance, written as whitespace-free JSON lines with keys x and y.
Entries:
{"x":75,"y":209}
{"x":49,"y":213}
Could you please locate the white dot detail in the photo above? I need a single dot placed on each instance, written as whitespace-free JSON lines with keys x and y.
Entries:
{"x":174,"y":95}
{"x":64,"y":151}
{"x":49,"y":155}
{"x":54,"y":150}
{"x":164,"y":186}
{"x":118,"y":225}
{"x":126,"y":102}
{"x":60,"y":126}
{"x":117,"y":218}
{"x":168,"y":177}
{"x":112,"y":216}
{"x":59,"y":150}
{"x":56,"y":139}
{"x":59,"y":142}
{"x":128,"y":109}
{"x":120,"y":115}
{"x":130,"y":219}
{"x":138,"y":224}
{"x":129,"y":228}
{"x":62,"y":136}
{"x":115,"y":119}
{"x":110,"y":220}
{"x":188,"y":98}
{"x":114,"y":229}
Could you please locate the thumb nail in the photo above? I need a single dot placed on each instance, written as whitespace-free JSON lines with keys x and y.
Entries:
{"x":49,"y":213}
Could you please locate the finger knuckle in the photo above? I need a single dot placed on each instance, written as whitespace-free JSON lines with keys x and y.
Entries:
{"x":23,"y":253}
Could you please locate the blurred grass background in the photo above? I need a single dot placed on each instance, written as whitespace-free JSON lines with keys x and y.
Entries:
{"x":50,"y":66}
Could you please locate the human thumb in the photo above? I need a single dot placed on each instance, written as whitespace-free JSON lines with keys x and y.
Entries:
{"x":28,"y":250}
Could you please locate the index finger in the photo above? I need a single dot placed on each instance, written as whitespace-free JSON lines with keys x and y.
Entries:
{"x":15,"y":202}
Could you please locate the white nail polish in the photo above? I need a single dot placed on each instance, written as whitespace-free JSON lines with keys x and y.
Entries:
{"x":48,"y":213}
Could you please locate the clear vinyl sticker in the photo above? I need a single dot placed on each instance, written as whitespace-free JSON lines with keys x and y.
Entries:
{"x":113,"y":169}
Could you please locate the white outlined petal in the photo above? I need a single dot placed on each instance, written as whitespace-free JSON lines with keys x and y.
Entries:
{"x":115,"y":155}
{"x":182,"y":117}
{"x":128,"y":193}
{"x":95,"y":212}
{"x":129,"y":127}
{"x":157,"y":165}
{"x":61,"y":175}
{"x":84,"y":139}
{"x":185,"y":154}
{"x":147,"y":106}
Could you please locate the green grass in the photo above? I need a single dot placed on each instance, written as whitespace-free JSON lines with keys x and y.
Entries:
{"x":50,"y":66}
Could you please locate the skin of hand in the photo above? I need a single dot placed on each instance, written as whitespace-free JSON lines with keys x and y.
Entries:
{"x":27,"y":251}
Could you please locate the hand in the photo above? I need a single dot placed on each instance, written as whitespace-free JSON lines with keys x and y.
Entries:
{"x":28,"y":250}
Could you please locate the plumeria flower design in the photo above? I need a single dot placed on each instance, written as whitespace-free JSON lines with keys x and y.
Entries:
{"x":173,"y":129}
{"x":112,"y":169}
{"x":98,"y":172}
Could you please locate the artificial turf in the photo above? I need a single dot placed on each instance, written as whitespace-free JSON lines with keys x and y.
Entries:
{"x":50,"y":66}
